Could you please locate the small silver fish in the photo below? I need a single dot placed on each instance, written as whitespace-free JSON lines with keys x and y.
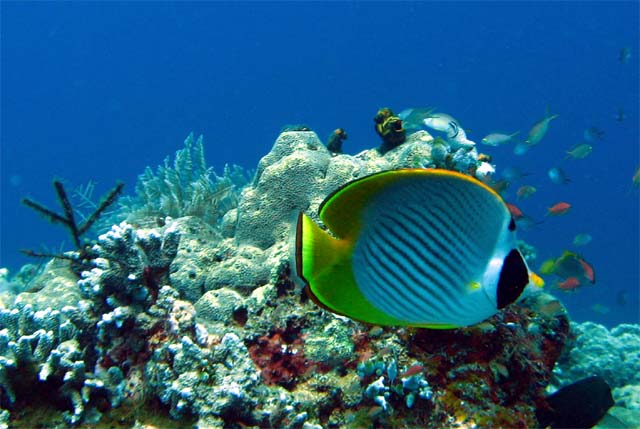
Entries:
{"x":582,"y":239}
{"x":497,"y":139}
{"x":413,"y":118}
{"x":557,"y":176}
{"x":539,"y":130}
{"x":579,"y":151}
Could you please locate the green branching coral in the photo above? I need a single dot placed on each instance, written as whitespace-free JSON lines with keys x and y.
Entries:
{"x":186,"y":187}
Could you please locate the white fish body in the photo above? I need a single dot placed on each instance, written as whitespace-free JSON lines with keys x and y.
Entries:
{"x":456,"y":136}
{"x":441,"y":122}
{"x":459,"y":139}
{"x":497,"y":139}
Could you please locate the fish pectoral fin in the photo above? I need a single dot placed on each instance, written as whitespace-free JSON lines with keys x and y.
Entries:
{"x":473,"y":286}
{"x":536,"y":280}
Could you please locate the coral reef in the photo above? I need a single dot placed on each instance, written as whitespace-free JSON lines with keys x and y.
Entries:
{"x":610,"y":353}
{"x":595,"y":350}
{"x":193,"y":308}
{"x":42,"y":351}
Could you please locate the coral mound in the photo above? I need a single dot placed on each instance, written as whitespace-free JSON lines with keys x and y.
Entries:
{"x":201,"y":318}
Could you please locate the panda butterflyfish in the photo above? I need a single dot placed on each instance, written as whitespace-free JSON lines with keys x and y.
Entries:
{"x":413,"y":247}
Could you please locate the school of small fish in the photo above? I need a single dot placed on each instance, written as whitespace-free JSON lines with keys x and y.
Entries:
{"x":570,"y":269}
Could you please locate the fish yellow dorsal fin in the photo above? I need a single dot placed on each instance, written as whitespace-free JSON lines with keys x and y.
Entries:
{"x":341,"y":211}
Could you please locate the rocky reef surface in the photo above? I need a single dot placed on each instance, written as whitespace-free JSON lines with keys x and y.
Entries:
{"x":199,"y":319}
{"x":614,"y":354}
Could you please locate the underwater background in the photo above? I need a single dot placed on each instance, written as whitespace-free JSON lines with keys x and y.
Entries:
{"x":97,"y":91}
{"x":177,"y":304}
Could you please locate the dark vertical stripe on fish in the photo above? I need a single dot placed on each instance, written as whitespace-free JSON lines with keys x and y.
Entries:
{"x":386,"y":282}
{"x":430,"y":247}
{"x":434,"y":286}
{"x":454,"y":263}
{"x":443,"y":284}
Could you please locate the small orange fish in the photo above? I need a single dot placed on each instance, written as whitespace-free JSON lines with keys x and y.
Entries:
{"x":413,"y":370}
{"x":589,"y":273}
{"x":558,"y":209}
{"x":571,"y":283}
{"x":515,"y":211}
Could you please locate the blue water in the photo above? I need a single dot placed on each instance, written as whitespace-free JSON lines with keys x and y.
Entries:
{"x":98,"y":91}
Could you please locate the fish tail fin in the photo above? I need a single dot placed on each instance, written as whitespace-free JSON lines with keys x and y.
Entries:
{"x":316,"y":250}
{"x":548,"y":114}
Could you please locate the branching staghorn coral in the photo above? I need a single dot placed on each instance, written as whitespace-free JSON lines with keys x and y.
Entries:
{"x":80,"y":259}
{"x":187,"y":188}
{"x":68,"y":219}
